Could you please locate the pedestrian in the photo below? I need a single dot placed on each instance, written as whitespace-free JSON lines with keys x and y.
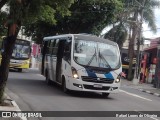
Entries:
{"x":146,"y":75}
{"x":141,"y":75}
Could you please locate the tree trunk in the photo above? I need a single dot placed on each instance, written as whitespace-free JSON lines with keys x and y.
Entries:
{"x":131,"y":46}
{"x":131,"y":53}
{"x":6,"y":55}
{"x":14,"y":25}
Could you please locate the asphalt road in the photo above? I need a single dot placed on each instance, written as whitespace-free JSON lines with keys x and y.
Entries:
{"x":31,"y":93}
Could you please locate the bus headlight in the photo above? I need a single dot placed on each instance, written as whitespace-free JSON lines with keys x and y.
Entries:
{"x":74,"y":73}
{"x":118,"y":79}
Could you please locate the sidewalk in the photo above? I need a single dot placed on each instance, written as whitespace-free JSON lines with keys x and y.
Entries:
{"x":144,"y":87}
{"x":12,"y":106}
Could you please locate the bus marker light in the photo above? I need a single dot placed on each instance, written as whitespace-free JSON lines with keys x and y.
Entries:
{"x":111,"y":89}
{"x":77,"y":85}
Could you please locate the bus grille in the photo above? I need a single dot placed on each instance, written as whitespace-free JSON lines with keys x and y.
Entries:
{"x":91,"y":87}
{"x":96,"y":80}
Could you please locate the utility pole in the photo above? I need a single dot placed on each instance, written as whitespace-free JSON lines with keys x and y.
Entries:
{"x":136,"y":73}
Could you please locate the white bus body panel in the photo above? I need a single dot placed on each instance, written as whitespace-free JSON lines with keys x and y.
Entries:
{"x":70,"y":81}
{"x":73,"y":84}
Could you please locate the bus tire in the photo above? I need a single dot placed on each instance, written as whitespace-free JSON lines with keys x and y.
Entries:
{"x":105,"y":95}
{"x":19,"y":69}
{"x":48,"y":81}
{"x":65,"y":90}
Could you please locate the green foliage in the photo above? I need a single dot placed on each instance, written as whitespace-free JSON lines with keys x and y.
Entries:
{"x":32,"y":13}
{"x":89,"y":16}
{"x":135,"y":7}
{"x":44,"y":10}
{"x":47,"y":15}
{"x":117,"y":34}
{"x":129,"y":8}
{"x":149,"y":16}
{"x":38,"y":30}
{"x":25,"y":12}
{"x":3,"y":30}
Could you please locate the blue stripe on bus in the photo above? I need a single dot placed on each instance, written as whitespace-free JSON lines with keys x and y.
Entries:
{"x":91,"y":74}
{"x":109,"y":75}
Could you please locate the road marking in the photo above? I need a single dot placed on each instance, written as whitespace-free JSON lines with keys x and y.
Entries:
{"x":40,"y":75}
{"x":136,"y":95}
{"x":148,"y":117}
{"x":148,"y":91}
{"x":15,"y":104}
{"x":157,"y":94}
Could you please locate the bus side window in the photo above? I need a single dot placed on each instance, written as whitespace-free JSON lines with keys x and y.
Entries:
{"x":67,"y":51}
{"x":55,"y":47}
{"x":51,"y":47}
{"x":48,"y":47}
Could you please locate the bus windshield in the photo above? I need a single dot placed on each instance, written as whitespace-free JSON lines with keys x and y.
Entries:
{"x":96,"y":54}
{"x":21,"y":50}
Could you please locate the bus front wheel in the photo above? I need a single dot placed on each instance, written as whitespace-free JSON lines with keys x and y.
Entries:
{"x":105,"y":94}
{"x":65,"y":90}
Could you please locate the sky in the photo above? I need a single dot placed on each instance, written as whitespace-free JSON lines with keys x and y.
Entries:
{"x":146,"y":31}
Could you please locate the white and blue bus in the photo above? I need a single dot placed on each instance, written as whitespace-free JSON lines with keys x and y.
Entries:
{"x":82,"y":63}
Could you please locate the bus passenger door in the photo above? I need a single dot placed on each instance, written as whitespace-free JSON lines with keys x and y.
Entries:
{"x":42,"y":63}
{"x":53,"y":59}
{"x":67,"y":60}
{"x":49,"y":60}
{"x":60,"y":53}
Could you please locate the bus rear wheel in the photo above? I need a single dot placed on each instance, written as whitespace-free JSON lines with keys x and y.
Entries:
{"x":105,"y":95}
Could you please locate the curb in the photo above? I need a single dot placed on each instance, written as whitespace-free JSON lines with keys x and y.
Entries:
{"x":16,"y":107}
{"x":149,"y":92}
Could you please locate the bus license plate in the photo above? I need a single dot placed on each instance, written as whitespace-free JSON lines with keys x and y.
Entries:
{"x":97,"y":85}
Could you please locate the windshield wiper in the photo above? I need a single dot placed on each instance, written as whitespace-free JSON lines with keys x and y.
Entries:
{"x":102,"y":57}
{"x":94,"y":55}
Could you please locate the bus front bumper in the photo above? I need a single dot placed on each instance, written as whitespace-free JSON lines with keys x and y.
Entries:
{"x":79,"y":85}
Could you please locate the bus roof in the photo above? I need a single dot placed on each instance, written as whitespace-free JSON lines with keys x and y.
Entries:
{"x":23,"y":39}
{"x":82,"y":37}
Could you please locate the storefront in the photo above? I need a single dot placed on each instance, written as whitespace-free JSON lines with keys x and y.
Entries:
{"x":148,"y":64}
{"x":150,"y":67}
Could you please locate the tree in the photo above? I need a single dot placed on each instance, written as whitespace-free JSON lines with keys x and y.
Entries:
{"x":117,"y":34}
{"x":147,"y":6}
{"x":86,"y":17}
{"x":22,"y":11}
{"x":128,"y":19}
